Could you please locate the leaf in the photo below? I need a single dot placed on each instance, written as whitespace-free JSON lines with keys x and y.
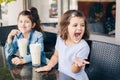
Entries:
{"x":6,"y":1}
{"x":1,"y":1}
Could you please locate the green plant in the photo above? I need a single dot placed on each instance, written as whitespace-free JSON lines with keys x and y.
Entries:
{"x":6,"y":1}
{"x":5,"y":74}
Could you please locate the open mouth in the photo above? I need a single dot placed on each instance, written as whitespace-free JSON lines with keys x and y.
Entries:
{"x":77,"y":34}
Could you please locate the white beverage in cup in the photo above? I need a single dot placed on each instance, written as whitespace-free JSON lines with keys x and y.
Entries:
{"x":22,"y":46}
{"x":35,"y":54}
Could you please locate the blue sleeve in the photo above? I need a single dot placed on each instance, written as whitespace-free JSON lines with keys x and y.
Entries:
{"x":12,"y":47}
{"x":43,"y":56}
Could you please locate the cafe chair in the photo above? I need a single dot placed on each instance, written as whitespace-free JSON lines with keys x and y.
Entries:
{"x":104,"y":61}
{"x":49,"y":44}
{"x":4,"y":31}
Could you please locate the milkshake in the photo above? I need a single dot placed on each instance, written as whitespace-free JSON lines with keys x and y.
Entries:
{"x":35,"y":54}
{"x":22,"y":46}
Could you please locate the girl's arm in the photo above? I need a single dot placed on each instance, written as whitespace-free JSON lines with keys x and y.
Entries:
{"x":53,"y":61}
{"x":11,"y":35}
{"x":11,"y":44}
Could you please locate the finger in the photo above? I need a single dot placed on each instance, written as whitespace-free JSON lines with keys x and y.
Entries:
{"x":83,"y":63}
{"x":45,"y":68}
{"x":17,"y":31}
{"x":86,"y":62}
{"x":14,"y":32}
{"x":17,"y":64}
{"x":76,"y":65}
{"x":13,"y":60}
{"x":39,"y":69}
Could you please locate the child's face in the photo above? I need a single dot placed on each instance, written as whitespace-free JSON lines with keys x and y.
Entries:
{"x":113,"y":10}
{"x":76,"y":29}
{"x":24,"y":24}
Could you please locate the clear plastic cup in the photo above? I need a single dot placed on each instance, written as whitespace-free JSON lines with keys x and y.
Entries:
{"x":35,"y":54}
{"x":22,"y":46}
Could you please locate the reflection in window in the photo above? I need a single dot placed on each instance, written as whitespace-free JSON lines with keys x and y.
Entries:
{"x":97,"y":13}
{"x":110,"y":18}
{"x":0,"y":13}
{"x":95,"y":18}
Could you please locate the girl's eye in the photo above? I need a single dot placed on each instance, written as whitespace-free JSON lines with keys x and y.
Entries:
{"x":75,"y":25}
{"x":83,"y":25}
{"x":20,"y":21}
{"x":27,"y":21}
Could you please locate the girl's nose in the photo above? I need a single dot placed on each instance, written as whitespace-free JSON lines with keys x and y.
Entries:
{"x":78,"y":27}
{"x":23,"y":23}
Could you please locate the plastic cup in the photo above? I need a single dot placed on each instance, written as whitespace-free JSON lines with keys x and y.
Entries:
{"x":35,"y":54}
{"x":22,"y":46}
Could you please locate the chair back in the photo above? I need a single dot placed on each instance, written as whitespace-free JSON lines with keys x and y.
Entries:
{"x":104,"y":61}
{"x":4,"y":31}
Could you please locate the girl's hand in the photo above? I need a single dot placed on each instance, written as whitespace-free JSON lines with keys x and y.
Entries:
{"x":80,"y":62}
{"x":12,"y":34}
{"x":18,"y":61}
{"x":44,"y":68}
{"x":77,"y":64}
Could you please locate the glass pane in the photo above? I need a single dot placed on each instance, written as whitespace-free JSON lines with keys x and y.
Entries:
{"x":100,"y":15}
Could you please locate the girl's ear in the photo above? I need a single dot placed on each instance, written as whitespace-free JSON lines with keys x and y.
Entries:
{"x":34,"y":24}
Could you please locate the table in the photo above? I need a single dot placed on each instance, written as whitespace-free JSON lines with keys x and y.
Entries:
{"x":27,"y":72}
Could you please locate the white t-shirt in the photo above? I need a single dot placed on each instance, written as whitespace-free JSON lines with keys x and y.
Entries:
{"x":66,"y":54}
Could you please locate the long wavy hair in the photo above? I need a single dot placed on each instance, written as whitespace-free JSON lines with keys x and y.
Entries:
{"x":65,"y":21}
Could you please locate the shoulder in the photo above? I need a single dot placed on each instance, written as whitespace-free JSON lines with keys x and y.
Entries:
{"x":59,"y":42}
{"x":59,"y":39}
{"x":37,"y":34}
{"x":83,"y":43}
